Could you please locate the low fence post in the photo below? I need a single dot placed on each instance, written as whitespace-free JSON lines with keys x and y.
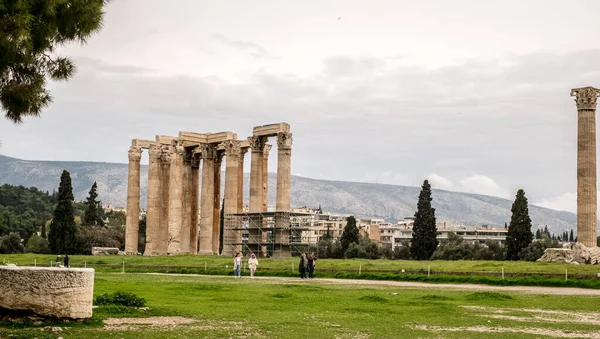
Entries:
{"x":566,"y":276}
{"x":85,"y":264}
{"x":205,"y":267}
{"x":34,"y":262}
{"x":502,"y":273}
{"x":359,"y":269}
{"x":428,"y":270}
{"x":123,"y":270}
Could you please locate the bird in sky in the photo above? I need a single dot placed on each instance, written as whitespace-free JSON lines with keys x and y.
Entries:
{"x":340,"y":18}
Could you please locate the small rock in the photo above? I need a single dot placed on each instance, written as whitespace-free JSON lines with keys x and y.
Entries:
{"x":56,"y":329}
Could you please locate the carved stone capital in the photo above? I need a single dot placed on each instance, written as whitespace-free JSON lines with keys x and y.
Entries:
{"x":257,"y":143}
{"x":166,"y":154}
{"x":585,"y":97}
{"x":284,"y":140}
{"x":209,"y":151}
{"x":195,"y":160}
{"x":155,"y":151}
{"x":267,"y":149}
{"x":187,"y":155}
{"x":135,"y":153}
{"x":178,"y":147}
{"x":232,"y":148}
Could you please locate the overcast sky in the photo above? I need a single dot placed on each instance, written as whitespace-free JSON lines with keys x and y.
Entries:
{"x":471,"y":94}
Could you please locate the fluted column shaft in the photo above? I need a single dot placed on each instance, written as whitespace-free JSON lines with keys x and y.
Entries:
{"x":257,"y":144}
{"x":216,"y":229}
{"x":240,"y":205}
{"x":175,"y":201}
{"x":133,"y":201}
{"x":194,"y":192}
{"x":162,"y":244}
{"x":284,"y":171}
{"x":586,"y":165}
{"x":209,"y":153}
{"x":153,"y":202}
{"x":265,"y":179}
{"x":232,"y":172}
{"x":186,"y":206}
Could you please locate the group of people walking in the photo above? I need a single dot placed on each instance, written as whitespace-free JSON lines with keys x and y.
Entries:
{"x":307,"y":265}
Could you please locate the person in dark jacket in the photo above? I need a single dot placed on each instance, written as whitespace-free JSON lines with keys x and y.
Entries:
{"x":66,"y":260}
{"x":312,"y":261}
{"x":302,"y":266}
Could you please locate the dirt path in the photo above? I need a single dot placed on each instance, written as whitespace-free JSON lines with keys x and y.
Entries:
{"x":409,"y":284}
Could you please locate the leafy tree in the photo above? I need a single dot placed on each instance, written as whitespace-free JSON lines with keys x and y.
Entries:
{"x":4,"y":229}
{"x":30,"y":32}
{"x":402,"y":252}
{"x":116,"y":218}
{"x":43,"y":230}
{"x":519,"y":231}
{"x":350,"y":234}
{"x":11,"y":244}
{"x":424,"y":235}
{"x":92,"y":216}
{"x":62,"y":228}
{"x":324,"y":248}
{"x":37,"y":244}
{"x":536,"y":249}
{"x":454,"y":248}
{"x":99,"y":236}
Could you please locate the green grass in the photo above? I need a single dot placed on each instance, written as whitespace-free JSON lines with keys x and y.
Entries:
{"x":293,"y":308}
{"x":479,"y":272}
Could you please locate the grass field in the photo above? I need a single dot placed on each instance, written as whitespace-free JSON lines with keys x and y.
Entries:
{"x":294,"y":308}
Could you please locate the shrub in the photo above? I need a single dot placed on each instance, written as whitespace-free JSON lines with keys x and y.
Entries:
{"x":37,"y":244}
{"x":11,"y":244}
{"x":536,"y":249}
{"x":402,"y":252}
{"x":120,"y":298}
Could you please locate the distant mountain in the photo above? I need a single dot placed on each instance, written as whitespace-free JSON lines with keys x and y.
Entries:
{"x":360,"y":199}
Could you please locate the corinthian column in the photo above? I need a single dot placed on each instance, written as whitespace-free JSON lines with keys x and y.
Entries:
{"x":209,"y":153}
{"x":162,"y":244}
{"x":233,"y":153}
{"x":284,"y":171}
{"x":257,"y":144}
{"x":176,"y":200}
{"x":194,"y":192}
{"x":133,"y":201}
{"x":240,"y":195}
{"x":265,"y":178}
{"x":217,"y":204}
{"x":586,"y":98}
{"x":186,"y":203}
{"x":153,"y":203}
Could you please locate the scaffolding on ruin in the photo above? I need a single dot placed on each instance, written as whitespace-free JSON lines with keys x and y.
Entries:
{"x":266,"y":234}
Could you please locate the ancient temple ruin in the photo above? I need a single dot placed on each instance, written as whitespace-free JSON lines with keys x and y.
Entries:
{"x":174,"y":189}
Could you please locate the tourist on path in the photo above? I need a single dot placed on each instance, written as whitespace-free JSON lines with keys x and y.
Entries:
{"x":237,"y":265}
{"x":302,"y":266}
{"x":66,"y":260}
{"x":252,"y":263}
{"x":58,"y":261}
{"x":312,"y":261}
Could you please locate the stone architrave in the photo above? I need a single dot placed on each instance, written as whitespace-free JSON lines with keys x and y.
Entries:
{"x":233,"y":153}
{"x":265,"y":178}
{"x":186,"y":203}
{"x":586,"y":100}
{"x":162,"y":244}
{"x":48,"y":291}
{"x":240,"y":197}
{"x":284,"y":171}
{"x":216,"y":229}
{"x":257,"y":145}
{"x":176,"y":200}
{"x":133,"y":201}
{"x":153,"y":202}
{"x":207,"y":199}
{"x":195,"y":192}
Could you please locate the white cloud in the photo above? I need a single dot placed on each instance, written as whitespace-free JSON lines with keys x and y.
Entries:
{"x":438,"y":181}
{"x":481,"y":184}
{"x":564,"y":202}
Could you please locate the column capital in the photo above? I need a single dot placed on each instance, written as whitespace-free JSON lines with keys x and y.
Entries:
{"x":257,"y":143}
{"x":284,"y":140}
{"x":232,"y":148}
{"x":155,"y":151}
{"x":166,"y":153}
{"x":135,"y":153}
{"x":209,"y":151}
{"x":195,"y":160}
{"x":267,"y":149}
{"x":585,"y":97}
{"x":218,"y":158}
{"x":178,"y":148}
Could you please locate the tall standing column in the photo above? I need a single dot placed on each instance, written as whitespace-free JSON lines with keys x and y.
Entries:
{"x":209,"y":153}
{"x":162,"y":243}
{"x":176,"y":200}
{"x":195,"y":192}
{"x":241,"y":181}
{"x":153,"y":203}
{"x":186,"y":206}
{"x":257,"y":144}
{"x":284,"y":171}
{"x":265,"y":179}
{"x":133,"y":201}
{"x":231,"y":237}
{"x":586,"y":98}
{"x":216,"y":229}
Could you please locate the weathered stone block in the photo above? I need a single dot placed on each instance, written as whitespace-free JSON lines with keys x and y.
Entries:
{"x":48,"y":291}
{"x":105,"y":250}
{"x":572,"y":253}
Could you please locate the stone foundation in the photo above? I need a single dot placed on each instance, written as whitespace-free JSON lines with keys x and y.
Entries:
{"x":48,"y":291}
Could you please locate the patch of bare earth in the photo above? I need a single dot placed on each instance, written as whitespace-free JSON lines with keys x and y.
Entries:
{"x":161,"y":323}
{"x":538,"y":315}
{"x":536,"y":331}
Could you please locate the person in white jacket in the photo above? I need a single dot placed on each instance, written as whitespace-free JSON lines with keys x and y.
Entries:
{"x":252,"y":263}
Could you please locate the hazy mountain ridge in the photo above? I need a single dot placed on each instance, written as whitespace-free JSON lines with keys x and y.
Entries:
{"x":360,"y":199}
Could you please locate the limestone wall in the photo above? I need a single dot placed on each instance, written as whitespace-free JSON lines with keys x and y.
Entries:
{"x":48,"y":291}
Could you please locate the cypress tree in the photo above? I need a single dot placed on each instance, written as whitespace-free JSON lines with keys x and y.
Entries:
{"x":61,"y":237}
{"x":571,"y":236}
{"x":350,"y":234}
{"x":43,"y":231}
{"x":92,"y":216}
{"x":424,"y":235}
{"x":538,"y":234}
{"x":519,"y":231}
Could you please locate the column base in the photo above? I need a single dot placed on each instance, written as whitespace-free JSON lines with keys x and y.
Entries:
{"x":205,"y":252}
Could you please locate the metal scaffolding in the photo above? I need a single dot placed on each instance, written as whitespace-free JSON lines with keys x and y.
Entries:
{"x":266,"y":234}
